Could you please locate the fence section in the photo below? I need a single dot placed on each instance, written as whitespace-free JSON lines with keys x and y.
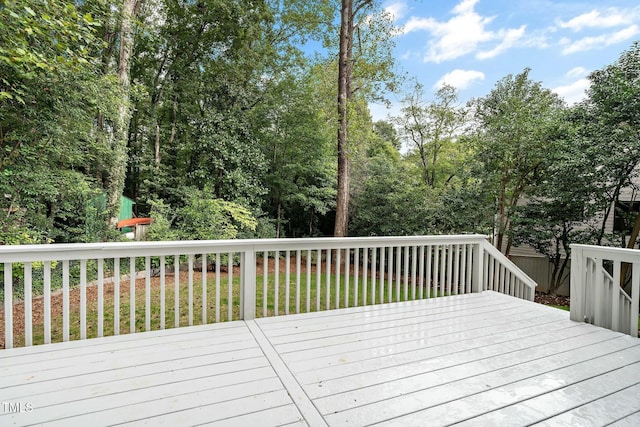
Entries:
{"x":77,"y":291}
{"x":598,"y":281}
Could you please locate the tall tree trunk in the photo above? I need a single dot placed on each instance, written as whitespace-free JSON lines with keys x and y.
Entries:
{"x":118,"y":170}
{"x":344,"y":78}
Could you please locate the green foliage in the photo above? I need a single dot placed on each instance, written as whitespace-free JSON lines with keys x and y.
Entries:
{"x":610,"y":131}
{"x":512,"y":143}
{"x":431,"y":132}
{"x":201,"y":218}
{"x":391,"y":203}
{"x":40,"y":38}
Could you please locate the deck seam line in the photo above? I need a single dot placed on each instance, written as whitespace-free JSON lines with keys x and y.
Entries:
{"x":298,"y":396}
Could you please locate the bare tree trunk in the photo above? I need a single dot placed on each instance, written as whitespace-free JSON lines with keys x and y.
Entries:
{"x":118,"y":170}
{"x":344,"y":77}
{"x":157,"y":145}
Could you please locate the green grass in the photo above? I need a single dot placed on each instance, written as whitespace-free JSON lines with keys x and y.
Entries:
{"x":561,"y":307}
{"x":223,"y":307}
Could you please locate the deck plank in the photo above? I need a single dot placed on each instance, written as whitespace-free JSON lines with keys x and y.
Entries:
{"x":476,"y":359}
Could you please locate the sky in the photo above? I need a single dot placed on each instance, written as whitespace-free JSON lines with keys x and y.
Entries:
{"x":472,"y":44}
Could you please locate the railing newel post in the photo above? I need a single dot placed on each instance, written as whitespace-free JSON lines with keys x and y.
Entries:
{"x":478,"y":267}
{"x":248,"y":284}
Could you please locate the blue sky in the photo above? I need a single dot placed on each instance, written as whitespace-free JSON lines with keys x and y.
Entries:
{"x":471,"y":44}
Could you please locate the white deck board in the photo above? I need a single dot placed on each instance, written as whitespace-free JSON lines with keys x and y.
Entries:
{"x":477,"y":359}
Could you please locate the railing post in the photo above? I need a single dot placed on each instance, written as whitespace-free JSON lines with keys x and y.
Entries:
{"x":635,"y":298}
{"x":478,"y":268}
{"x":248,"y":284}
{"x":577,"y":284}
{"x":8,"y":305}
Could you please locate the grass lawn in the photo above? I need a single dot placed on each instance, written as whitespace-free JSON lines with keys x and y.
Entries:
{"x":295,"y":296}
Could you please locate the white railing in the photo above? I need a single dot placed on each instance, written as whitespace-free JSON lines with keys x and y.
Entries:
{"x":199,"y":282}
{"x":596,"y":294}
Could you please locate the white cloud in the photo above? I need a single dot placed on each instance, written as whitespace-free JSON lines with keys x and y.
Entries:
{"x":612,"y":17}
{"x":574,"y":92}
{"x":577,"y":72}
{"x":397,"y":10}
{"x":462,"y":34}
{"x":604,"y":40}
{"x":509,"y":39}
{"x":460,"y":79}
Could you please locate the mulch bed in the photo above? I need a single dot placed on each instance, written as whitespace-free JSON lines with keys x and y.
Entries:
{"x":549,"y":299}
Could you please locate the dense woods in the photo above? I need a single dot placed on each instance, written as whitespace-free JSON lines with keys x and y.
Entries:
{"x":217,"y":121}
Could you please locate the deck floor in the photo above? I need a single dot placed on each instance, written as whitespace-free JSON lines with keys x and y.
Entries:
{"x":478,"y":359}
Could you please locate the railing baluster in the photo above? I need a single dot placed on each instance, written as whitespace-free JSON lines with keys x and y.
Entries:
{"x":429,"y":273}
{"x":287,"y":279}
{"x":190,"y":288}
{"x":492,"y":280}
{"x":163,"y":302}
{"x":308,"y":299}
{"x":347,"y":268}
{"x":100,"y":297}
{"x":365,"y":265}
{"x":318,"y":278}
{"x":176,"y":291}
{"x":615,"y":297}
{"x":382,"y":264}
{"x":204,"y":289}
{"x":132,"y":294}
{"x":276,"y":284}
{"x":28,"y":305}
{"x":230,"y":287}
{"x":298,"y":261}
{"x":265,"y":281}
{"x":414,"y":265}
{"x":338,"y":262}
{"x":449,"y":252}
{"x":83,"y":299}
{"x":398,"y":272}
{"x":116,"y":296}
{"x":65,"y":300}
{"x":373,"y":274}
{"x":600,"y":294}
{"x":463,"y":270}
{"x":8,"y":305}
{"x":446,"y":266}
{"x":47,"y":302}
{"x":456,"y":269}
{"x":406,"y":274}
{"x":356,"y":276}
{"x":147,"y":293}
{"x":327,"y":301}
{"x":421,"y":273}
{"x":218,"y":262}
{"x":436,"y":270}
{"x":390,"y":273}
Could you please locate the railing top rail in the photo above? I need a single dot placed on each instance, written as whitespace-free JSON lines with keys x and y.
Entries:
{"x":610,"y":253}
{"x":66,"y":251}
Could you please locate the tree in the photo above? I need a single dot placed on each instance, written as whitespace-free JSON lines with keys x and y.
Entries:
{"x":373,"y":57}
{"x":391,"y":201}
{"x":560,"y":210}
{"x":512,"y":123}
{"x":611,"y":131}
{"x":128,"y":13}
{"x":431,"y":131}
{"x":52,"y":87}
{"x":301,"y":175}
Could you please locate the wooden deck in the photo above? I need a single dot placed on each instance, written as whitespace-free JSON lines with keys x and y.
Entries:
{"x":476,"y":359}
